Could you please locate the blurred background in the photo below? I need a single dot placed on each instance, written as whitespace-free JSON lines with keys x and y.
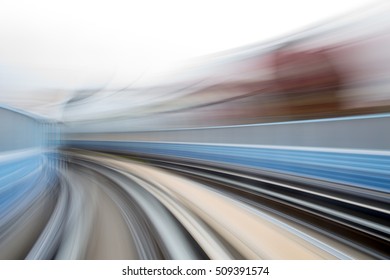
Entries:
{"x":194,"y":130}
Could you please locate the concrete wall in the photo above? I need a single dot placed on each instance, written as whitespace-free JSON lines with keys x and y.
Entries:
{"x":19,"y":130}
{"x":370,"y":132}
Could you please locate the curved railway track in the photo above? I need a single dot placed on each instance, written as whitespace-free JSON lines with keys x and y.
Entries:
{"x":108,"y":206}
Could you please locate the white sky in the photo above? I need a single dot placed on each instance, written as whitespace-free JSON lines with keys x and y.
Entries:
{"x":76,"y":43}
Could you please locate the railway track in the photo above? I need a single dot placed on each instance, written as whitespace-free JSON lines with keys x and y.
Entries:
{"x":110,"y":206}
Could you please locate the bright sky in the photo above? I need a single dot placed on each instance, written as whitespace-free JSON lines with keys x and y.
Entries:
{"x":76,"y":43}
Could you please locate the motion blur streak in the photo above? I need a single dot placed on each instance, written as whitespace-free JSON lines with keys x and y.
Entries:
{"x":216,"y":211}
{"x":278,"y":150}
